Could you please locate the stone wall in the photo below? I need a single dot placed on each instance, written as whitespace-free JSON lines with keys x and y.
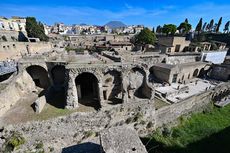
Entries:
{"x":221,"y":72}
{"x":16,"y":50}
{"x":21,"y":85}
{"x":181,"y":59}
{"x":12,"y":36}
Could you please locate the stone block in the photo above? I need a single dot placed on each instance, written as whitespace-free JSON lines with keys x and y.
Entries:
{"x":121,"y":139}
{"x":39,"y":104}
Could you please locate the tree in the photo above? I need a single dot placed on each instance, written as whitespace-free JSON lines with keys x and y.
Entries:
{"x":169,"y":29}
{"x":159,"y":29}
{"x":185,"y":27}
{"x":207,"y":27}
{"x":214,"y":27}
{"x":218,"y":25}
{"x":211,"y":24}
{"x":226,"y":27}
{"x":35,"y":29}
{"x":146,"y":36}
{"x":186,"y":20}
{"x":204,"y":26}
{"x":153,"y":30}
{"x":199,"y":26}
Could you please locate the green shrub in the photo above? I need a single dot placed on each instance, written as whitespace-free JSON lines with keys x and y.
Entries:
{"x":166,"y":132}
{"x":138,"y":117}
{"x":88,"y":134}
{"x":13,"y":142}
{"x":149,"y":125}
{"x":129,"y":120}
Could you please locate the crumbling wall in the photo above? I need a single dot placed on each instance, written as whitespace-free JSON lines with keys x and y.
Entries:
{"x":181,"y":59}
{"x":77,"y":127}
{"x":172,"y":112}
{"x":112,"y":84}
{"x":135,"y":84}
{"x":20,"y":86}
{"x":16,"y":50}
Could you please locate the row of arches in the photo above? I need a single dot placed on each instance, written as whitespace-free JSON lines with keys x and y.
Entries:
{"x":41,"y":76}
{"x":51,"y":83}
{"x":199,"y":73}
{"x":217,"y":96}
{"x":88,"y":88}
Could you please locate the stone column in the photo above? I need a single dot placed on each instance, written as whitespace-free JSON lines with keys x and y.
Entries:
{"x":100,"y":94}
{"x":72,"y":97}
{"x":125,"y":84}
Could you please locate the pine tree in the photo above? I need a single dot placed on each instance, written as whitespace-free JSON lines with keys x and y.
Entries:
{"x":184,"y":27}
{"x":146,"y":36}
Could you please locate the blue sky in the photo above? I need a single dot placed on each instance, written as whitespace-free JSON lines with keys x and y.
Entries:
{"x":147,"y":12}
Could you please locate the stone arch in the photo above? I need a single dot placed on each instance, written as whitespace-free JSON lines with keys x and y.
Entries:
{"x":39,"y":75}
{"x":137,"y":83}
{"x":112,"y":85}
{"x":6,"y":77}
{"x":195,"y":73}
{"x":23,"y":66}
{"x":87,"y":85}
{"x":202,"y":73}
{"x":213,"y":95}
{"x":98,"y":74}
{"x":58,"y":74}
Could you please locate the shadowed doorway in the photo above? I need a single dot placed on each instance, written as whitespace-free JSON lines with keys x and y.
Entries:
{"x":87,"y":90}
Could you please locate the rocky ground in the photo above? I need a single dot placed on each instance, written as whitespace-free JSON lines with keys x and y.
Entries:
{"x":55,"y":134}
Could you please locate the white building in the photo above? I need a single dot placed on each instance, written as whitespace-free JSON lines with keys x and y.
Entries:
{"x":13,"y":24}
{"x":216,"y":57}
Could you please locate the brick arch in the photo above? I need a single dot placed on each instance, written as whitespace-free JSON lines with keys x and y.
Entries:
{"x":43,"y":65}
{"x":88,"y":89}
{"x":39,"y":75}
{"x":145,"y":87}
{"x":98,"y":75}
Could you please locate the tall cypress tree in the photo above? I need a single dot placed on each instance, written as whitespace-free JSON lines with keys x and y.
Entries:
{"x":186,"y":20}
{"x":153,"y":30}
{"x":159,"y":29}
{"x":226,"y":27}
{"x":218,"y":25}
{"x":211,"y":24}
{"x":204,"y":26}
{"x":199,"y":26}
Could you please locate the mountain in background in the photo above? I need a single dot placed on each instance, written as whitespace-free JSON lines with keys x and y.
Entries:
{"x":83,"y":24}
{"x":115,"y":24}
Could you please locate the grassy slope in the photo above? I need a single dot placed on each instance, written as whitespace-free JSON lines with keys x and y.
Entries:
{"x":194,"y":134}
